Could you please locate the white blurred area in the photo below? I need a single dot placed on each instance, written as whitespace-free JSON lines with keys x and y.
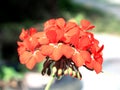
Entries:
{"x":114,"y":2}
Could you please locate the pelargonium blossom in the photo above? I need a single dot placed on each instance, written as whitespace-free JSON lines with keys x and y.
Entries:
{"x":62,"y":45}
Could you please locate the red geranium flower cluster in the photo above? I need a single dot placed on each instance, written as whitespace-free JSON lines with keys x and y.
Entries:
{"x":63,"y":45}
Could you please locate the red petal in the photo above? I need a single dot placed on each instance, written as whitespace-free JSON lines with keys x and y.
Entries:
{"x":98,"y":58}
{"x":90,"y":27}
{"x":42,"y":38}
{"x":60,"y":34}
{"x":39,"y":57}
{"x":89,"y":65}
{"x":24,"y":34}
{"x":86,"y":56}
{"x":46,"y":49}
{"x":33,"y":43}
{"x":84,"y":42}
{"x":69,"y":26}
{"x":49,"y":23}
{"x":51,"y":36}
{"x":32,"y":31}
{"x":57,"y":54}
{"x":74,"y":40}
{"x":24,"y":58}
{"x":60,"y":22}
{"x":85,"y":23}
{"x":20,"y":43}
{"x":100,"y":49}
{"x":21,"y":50}
{"x":39,"y":35}
{"x":31,"y":63}
{"x":77,"y":59}
{"x":97,"y":67}
{"x":72,"y":31}
{"x":67,"y":51}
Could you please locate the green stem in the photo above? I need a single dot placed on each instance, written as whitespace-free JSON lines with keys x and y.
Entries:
{"x":49,"y":83}
{"x":54,"y":69}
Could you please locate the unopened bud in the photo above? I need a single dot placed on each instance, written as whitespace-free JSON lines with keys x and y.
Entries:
{"x":59,"y":72}
{"x":66,"y":72}
{"x":78,"y":75}
{"x":70,"y":71}
{"x":54,"y":70}
{"x":73,"y":74}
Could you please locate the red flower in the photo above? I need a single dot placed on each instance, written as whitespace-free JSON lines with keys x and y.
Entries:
{"x":65,"y":46}
{"x":31,"y":58}
{"x":26,"y":34}
{"x":96,"y":55}
{"x":59,"y":30}
{"x":28,"y":49}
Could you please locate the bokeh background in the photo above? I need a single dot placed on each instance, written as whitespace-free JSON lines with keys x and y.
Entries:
{"x":18,"y":14}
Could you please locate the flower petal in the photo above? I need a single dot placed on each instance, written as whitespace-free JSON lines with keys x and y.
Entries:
{"x":84,"y":42}
{"x":60,"y":22}
{"x":97,"y":67}
{"x":90,"y":27}
{"x":51,"y":36}
{"x":77,"y":59}
{"x":39,"y":57}
{"x":85,"y":23}
{"x":21,"y":50}
{"x":32,"y":31}
{"x":46,"y":49}
{"x":24,"y":34}
{"x":24,"y":58}
{"x":31,"y":63}
{"x":86,"y":56}
{"x":67,"y":51}
{"x":57,"y":54}
{"x":41,"y":37}
{"x":49,"y":23}
{"x":69,"y":26}
{"x":89,"y":65}
{"x":74,"y":40}
{"x":72,"y":31}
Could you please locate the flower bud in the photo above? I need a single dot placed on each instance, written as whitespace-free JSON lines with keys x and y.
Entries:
{"x":66,"y":72}
{"x":78,"y":75}
{"x":70,"y":71}
{"x":59,"y":72}
{"x":54,"y":70}
{"x":73,"y":74}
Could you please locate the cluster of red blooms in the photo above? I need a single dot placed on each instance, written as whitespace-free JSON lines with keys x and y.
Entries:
{"x":64,"y":46}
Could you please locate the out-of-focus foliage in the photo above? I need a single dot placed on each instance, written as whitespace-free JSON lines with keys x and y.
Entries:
{"x":107,"y":25}
{"x":8,"y":73}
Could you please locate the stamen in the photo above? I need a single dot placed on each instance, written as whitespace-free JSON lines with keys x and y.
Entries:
{"x":61,"y":67}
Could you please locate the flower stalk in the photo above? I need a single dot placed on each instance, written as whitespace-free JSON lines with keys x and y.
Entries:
{"x":49,"y":83}
{"x":54,"y":70}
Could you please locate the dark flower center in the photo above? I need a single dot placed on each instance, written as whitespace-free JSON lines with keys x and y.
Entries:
{"x":64,"y":66}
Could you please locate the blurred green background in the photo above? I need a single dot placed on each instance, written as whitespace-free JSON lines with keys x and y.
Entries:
{"x":18,"y":14}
